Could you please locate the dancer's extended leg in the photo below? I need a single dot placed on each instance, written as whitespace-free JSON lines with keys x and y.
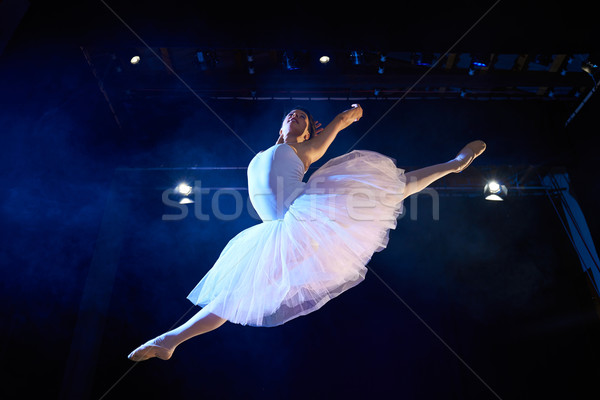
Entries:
{"x":164,"y":345}
{"x":421,"y":178}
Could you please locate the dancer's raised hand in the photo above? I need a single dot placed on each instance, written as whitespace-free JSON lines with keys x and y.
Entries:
{"x":352,"y":115}
{"x":318,"y":128}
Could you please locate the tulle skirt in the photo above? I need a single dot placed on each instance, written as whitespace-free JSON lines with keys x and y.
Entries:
{"x":278,"y":270}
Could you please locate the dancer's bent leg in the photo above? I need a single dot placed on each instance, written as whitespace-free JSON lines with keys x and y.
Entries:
{"x":421,"y":178}
{"x":164,"y":345}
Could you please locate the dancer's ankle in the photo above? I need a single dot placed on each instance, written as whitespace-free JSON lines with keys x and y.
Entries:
{"x":166,"y":341}
{"x":456,"y":165}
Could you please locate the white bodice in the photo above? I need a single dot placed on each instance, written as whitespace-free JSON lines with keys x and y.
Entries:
{"x":275,"y":181}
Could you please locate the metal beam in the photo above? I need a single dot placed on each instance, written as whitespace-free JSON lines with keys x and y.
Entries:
{"x":284,"y":81}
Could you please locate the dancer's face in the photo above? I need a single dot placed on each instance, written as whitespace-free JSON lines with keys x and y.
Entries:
{"x":295,"y":127}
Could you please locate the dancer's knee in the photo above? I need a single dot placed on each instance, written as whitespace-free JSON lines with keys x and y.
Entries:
{"x":214,"y":320}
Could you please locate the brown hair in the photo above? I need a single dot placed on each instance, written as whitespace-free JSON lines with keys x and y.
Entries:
{"x":311,"y":122}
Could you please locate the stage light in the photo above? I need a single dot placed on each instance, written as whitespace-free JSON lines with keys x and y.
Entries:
{"x":207,"y":60}
{"x":589,"y":67}
{"x":290,"y":61}
{"x":382,"y":60}
{"x":495,"y":191}
{"x":202,"y":60}
{"x":357,"y":58}
{"x":477,"y":62}
{"x":250,"y":59}
{"x":324,"y":59}
{"x":423,"y":59}
{"x":135,"y":59}
{"x":184,"y":189}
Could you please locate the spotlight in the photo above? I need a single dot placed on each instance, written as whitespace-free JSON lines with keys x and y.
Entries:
{"x":423,"y":59}
{"x":250,"y":59}
{"x":589,"y":67}
{"x":477,"y":62}
{"x":290,"y":61}
{"x":494,"y":191}
{"x":202,"y":60}
{"x":183,"y":190}
{"x":324,"y":59}
{"x":357,"y":58}
{"x":135,"y":59}
{"x":207,"y":59}
{"x":564,"y":69}
{"x":382,"y":60}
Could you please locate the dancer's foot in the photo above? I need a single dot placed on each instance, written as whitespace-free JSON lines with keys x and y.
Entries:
{"x":466,"y":156}
{"x":150,"y":349}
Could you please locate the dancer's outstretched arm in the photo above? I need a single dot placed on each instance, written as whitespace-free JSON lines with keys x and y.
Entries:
{"x":419,"y":179}
{"x":317,"y":146}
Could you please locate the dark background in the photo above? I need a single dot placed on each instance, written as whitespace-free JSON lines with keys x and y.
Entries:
{"x":487,"y":301}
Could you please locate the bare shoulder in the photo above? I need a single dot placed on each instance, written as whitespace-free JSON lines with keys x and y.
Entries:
{"x":304,"y":152}
{"x":309,"y":150}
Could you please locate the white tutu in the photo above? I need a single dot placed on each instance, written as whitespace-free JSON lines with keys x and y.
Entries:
{"x":281,"y":269}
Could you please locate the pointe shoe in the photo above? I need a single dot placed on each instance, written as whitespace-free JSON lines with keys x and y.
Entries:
{"x":148,"y":350}
{"x":469,"y":153}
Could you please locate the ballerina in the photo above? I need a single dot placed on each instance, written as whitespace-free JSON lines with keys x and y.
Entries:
{"x":316,"y":237}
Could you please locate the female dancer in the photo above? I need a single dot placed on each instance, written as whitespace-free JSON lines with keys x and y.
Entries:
{"x":316,"y":237}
